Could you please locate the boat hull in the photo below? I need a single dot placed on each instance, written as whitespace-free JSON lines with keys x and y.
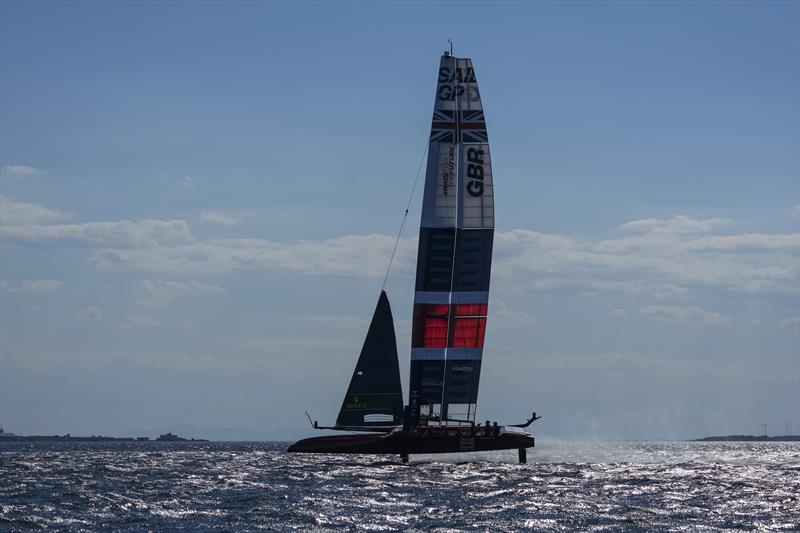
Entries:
{"x":405,"y":443}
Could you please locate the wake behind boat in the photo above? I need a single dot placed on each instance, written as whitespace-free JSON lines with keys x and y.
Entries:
{"x":450,"y":305}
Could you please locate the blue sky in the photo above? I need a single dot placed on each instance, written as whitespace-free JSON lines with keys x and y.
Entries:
{"x":199,"y":200}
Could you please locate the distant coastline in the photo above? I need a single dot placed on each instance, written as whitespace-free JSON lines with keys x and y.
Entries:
{"x":167,"y":437}
{"x":751,"y":438}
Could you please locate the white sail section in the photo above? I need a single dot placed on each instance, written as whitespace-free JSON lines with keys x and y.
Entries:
{"x":441,"y":193}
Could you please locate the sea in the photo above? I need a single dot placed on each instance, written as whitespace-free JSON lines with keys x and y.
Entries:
{"x":566,"y":486}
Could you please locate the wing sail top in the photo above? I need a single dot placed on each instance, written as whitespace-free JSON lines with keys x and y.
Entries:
{"x":375,"y":396}
{"x":455,"y":252}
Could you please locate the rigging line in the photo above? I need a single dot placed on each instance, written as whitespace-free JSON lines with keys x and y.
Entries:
{"x":405,"y":215}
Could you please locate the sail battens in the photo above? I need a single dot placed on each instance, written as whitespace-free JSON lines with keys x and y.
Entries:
{"x":457,"y":297}
{"x":438,"y":354}
{"x":454,"y":251}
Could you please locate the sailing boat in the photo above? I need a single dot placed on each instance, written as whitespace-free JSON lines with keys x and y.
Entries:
{"x":450,"y":305}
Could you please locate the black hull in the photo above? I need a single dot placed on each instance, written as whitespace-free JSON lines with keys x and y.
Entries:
{"x":405,"y":443}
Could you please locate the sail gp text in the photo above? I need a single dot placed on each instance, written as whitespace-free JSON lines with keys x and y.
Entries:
{"x":465,"y":84}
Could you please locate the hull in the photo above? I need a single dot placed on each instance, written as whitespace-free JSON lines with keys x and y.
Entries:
{"x":405,"y":443}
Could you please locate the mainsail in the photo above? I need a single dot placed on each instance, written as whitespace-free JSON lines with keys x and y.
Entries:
{"x":455,"y":253}
{"x":375,"y":397}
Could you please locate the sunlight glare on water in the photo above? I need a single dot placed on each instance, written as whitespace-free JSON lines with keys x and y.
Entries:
{"x":565,"y":485}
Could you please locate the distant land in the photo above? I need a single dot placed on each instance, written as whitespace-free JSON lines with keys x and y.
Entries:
{"x":198,"y":432}
{"x":751,"y":438}
{"x":167,"y":437}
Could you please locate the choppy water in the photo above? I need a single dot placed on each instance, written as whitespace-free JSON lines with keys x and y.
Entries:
{"x":565,"y":486}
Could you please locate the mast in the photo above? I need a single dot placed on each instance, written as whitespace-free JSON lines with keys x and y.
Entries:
{"x":454,"y":255}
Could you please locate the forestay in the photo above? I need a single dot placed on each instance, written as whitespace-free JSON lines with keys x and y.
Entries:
{"x":455,"y":252}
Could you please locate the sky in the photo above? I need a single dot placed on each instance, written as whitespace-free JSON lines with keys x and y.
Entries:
{"x":199,"y":201}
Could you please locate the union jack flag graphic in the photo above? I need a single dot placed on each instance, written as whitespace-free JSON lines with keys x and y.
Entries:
{"x":458,"y":127}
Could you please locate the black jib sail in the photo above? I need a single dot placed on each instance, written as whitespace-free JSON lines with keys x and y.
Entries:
{"x":455,"y":253}
{"x":375,"y":396}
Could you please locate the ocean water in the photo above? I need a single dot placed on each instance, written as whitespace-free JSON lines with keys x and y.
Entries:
{"x":601,"y":486}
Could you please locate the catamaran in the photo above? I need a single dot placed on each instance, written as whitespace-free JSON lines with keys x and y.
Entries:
{"x":450,"y":305}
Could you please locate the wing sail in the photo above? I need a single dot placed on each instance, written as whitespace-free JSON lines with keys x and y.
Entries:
{"x":455,"y":253}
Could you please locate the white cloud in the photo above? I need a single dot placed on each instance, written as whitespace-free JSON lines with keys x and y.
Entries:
{"x":119,"y":233}
{"x":348,"y":255}
{"x":32,"y":285}
{"x":685,"y":316}
{"x":90,"y":313}
{"x":679,"y":224}
{"x":746,"y":242}
{"x":218,"y":218}
{"x":21,"y":170}
{"x":790,"y":322}
{"x":38,"y":285}
{"x":657,"y":265}
{"x":665,"y":264}
{"x":21,"y":213}
{"x":141,"y":321}
{"x":341,"y":321}
{"x":504,"y":316}
{"x":186,"y":181}
{"x":668,"y":258}
{"x":164,"y":292}
{"x":618,"y":313}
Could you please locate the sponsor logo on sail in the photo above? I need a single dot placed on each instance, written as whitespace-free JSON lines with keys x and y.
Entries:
{"x":449,"y":170}
{"x":475,"y":172}
{"x":455,"y":82}
{"x":354,"y":403}
{"x":446,"y":74}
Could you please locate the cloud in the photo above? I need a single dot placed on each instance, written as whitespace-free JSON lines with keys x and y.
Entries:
{"x":618,"y":313}
{"x":679,"y":224}
{"x":656,"y":265}
{"x":349,"y":255}
{"x":685,"y":316}
{"x":790,"y":322}
{"x":186,"y":181}
{"x":164,"y":292}
{"x":21,"y":170}
{"x":141,"y":321}
{"x":218,"y":218}
{"x":120,"y":233}
{"x":503,"y":316}
{"x":32,"y":285}
{"x":340,"y":321}
{"x":746,"y":242}
{"x":90,"y":313}
{"x":28,"y":224}
{"x":668,"y":262}
{"x":21,"y":213}
{"x":38,"y":285}
{"x":663,"y":258}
